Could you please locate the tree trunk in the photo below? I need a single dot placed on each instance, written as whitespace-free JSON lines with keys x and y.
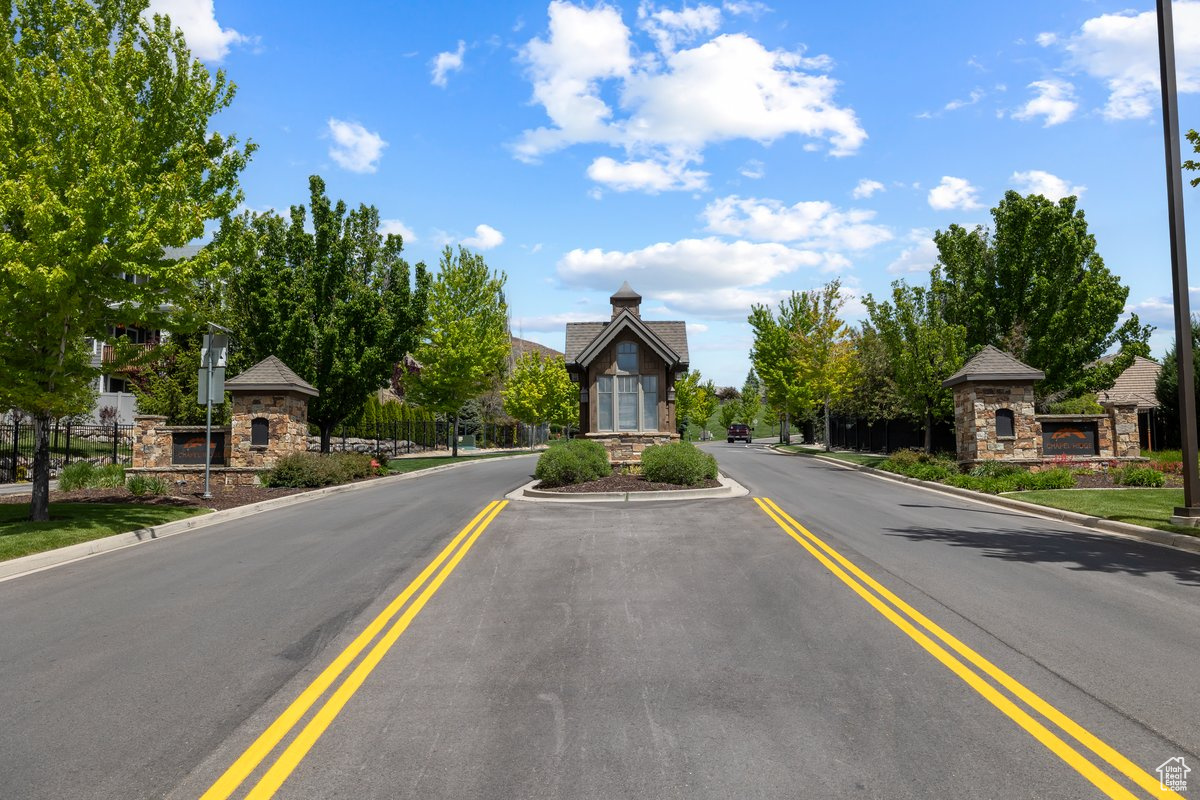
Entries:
{"x":39,"y":504}
{"x":928,"y":430}
{"x":326,"y":435}
{"x":828,"y":432}
{"x":454,"y":438}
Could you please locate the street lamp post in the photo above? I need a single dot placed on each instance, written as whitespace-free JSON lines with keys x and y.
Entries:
{"x":210,"y":359}
{"x":1189,"y":513}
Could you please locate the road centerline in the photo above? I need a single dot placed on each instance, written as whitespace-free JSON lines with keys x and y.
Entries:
{"x":1076,"y":760}
{"x":262,"y":746}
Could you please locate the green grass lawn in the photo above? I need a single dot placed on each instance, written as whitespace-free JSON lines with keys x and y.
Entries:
{"x":1150,"y":508}
{"x":399,"y":465}
{"x":72,"y":523}
{"x":865,"y":459}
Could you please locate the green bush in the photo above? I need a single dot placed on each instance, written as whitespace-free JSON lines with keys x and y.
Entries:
{"x":1138,"y":476}
{"x":920,"y":465}
{"x":572,"y":461}
{"x":109,"y":476}
{"x":680,"y":463}
{"x":77,"y":476}
{"x":1084,"y":404}
{"x":139,"y":485}
{"x":312,"y":470}
{"x":994,"y":469}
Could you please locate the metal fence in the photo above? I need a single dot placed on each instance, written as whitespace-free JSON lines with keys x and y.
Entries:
{"x":402,"y":438}
{"x":99,"y":444}
{"x":885,"y":436}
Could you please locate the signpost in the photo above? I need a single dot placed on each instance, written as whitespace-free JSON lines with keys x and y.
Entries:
{"x":212,"y":388}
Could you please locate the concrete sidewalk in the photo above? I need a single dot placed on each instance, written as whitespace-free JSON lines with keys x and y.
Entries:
{"x":22,"y":488}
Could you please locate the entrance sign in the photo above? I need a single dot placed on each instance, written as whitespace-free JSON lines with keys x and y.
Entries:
{"x":1070,"y":438}
{"x":187,"y":447}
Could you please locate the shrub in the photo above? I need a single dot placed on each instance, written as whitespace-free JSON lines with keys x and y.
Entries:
{"x":77,"y":476}
{"x":139,"y":485}
{"x":109,"y":476}
{"x":680,"y":463}
{"x":1084,"y":404}
{"x":1138,"y":476}
{"x":312,"y":470}
{"x":920,"y":465}
{"x":572,"y":461}
{"x":994,"y":469}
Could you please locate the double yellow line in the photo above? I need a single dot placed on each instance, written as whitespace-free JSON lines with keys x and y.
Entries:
{"x":291,"y":757}
{"x":876,"y":594}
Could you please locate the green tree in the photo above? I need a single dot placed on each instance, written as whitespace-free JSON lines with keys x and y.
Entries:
{"x":873,"y":395}
{"x":751,"y":400}
{"x":706,"y":403}
{"x":1191,"y":164}
{"x":539,"y":391}
{"x":923,"y":350}
{"x":106,"y":160}
{"x":338,"y":304}
{"x":1166,"y":388}
{"x":687,"y":397}
{"x":466,"y":344}
{"x":774,"y":358}
{"x":728,"y":413}
{"x":1038,"y":289}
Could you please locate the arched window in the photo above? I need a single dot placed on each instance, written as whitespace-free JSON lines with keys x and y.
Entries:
{"x":260,"y":431}
{"x":627,"y":357}
{"x":1004,"y":422}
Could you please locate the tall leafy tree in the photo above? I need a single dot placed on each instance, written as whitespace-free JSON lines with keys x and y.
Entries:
{"x":106,"y":159}
{"x":751,"y":402}
{"x":338,"y":304}
{"x":873,"y":394}
{"x":687,"y":399}
{"x":706,"y":403}
{"x":729,"y":413}
{"x":538,"y":391}
{"x":923,"y":350}
{"x":1036,"y":287}
{"x":1166,"y":388}
{"x":467,"y":342}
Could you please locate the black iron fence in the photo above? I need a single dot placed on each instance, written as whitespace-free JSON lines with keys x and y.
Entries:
{"x":99,"y":444}
{"x":416,"y":436}
{"x":885,"y":436}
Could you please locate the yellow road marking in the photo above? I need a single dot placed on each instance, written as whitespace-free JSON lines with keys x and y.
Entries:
{"x":266,"y":742}
{"x":298,"y":749}
{"x":1056,"y":745}
{"x":1074,"y":729}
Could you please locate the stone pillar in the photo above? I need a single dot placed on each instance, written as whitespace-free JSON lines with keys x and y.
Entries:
{"x":286,"y":414}
{"x":1123,"y":423}
{"x":151,"y":442}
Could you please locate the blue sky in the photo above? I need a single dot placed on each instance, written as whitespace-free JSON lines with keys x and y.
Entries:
{"x":715,"y":154}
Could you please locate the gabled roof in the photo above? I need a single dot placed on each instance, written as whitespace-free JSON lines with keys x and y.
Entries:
{"x":522,"y":346}
{"x":667,"y":339}
{"x":992,"y":364}
{"x":271,"y":375}
{"x":1135,"y":384}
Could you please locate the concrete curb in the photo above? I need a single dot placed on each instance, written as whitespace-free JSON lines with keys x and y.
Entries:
{"x":1179,"y":541}
{"x":728,"y":488}
{"x":15,"y":568}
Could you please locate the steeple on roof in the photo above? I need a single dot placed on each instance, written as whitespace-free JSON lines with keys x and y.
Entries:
{"x":626,"y":292}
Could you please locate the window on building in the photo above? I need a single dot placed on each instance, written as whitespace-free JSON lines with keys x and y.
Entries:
{"x":627,"y":360}
{"x":260,"y":431}
{"x":627,"y":403}
{"x":1004,"y":422}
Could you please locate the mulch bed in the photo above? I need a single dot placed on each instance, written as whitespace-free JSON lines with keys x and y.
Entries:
{"x":624,"y":483}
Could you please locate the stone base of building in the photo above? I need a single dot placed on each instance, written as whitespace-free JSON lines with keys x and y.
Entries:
{"x":191,"y":479}
{"x":626,"y":448}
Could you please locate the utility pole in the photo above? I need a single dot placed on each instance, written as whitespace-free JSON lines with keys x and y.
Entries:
{"x":214,"y":352}
{"x":1189,"y":513}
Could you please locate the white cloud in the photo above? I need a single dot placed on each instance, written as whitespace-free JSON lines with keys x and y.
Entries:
{"x":975,"y":96}
{"x":953,"y":193}
{"x":668,"y":106}
{"x":354,"y":147}
{"x":753,"y":169}
{"x":1055,"y":101}
{"x":445,"y":63}
{"x":865,"y":188}
{"x":815,"y":223}
{"x":648,"y":176}
{"x":697,"y":327}
{"x":1121,"y":49}
{"x":397,"y":227}
{"x":206,"y":38}
{"x":554,"y":323}
{"x":718,"y":269}
{"x":669,"y":28}
{"x":1048,"y":185}
{"x":486,"y":237}
{"x":920,"y":256}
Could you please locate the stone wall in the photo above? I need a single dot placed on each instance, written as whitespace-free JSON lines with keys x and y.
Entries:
{"x":1123,"y":417}
{"x":626,"y":448}
{"x":287,"y":417}
{"x":152,"y":441}
{"x":975,"y":407}
{"x":191,"y":478}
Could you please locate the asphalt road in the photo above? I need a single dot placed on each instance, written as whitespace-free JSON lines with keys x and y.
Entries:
{"x":675,"y":649}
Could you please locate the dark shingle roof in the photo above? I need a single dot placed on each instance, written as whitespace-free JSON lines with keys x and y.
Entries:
{"x":520,"y":346}
{"x":271,"y":375}
{"x":991,"y":364}
{"x":581,"y":334}
{"x":626,"y":292}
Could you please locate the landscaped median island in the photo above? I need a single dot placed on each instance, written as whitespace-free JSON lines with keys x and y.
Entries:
{"x":581,"y":466}
{"x":1143,"y":495}
{"x":96,"y":502}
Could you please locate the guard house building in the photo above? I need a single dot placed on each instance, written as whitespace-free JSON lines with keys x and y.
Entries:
{"x":626,"y":370}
